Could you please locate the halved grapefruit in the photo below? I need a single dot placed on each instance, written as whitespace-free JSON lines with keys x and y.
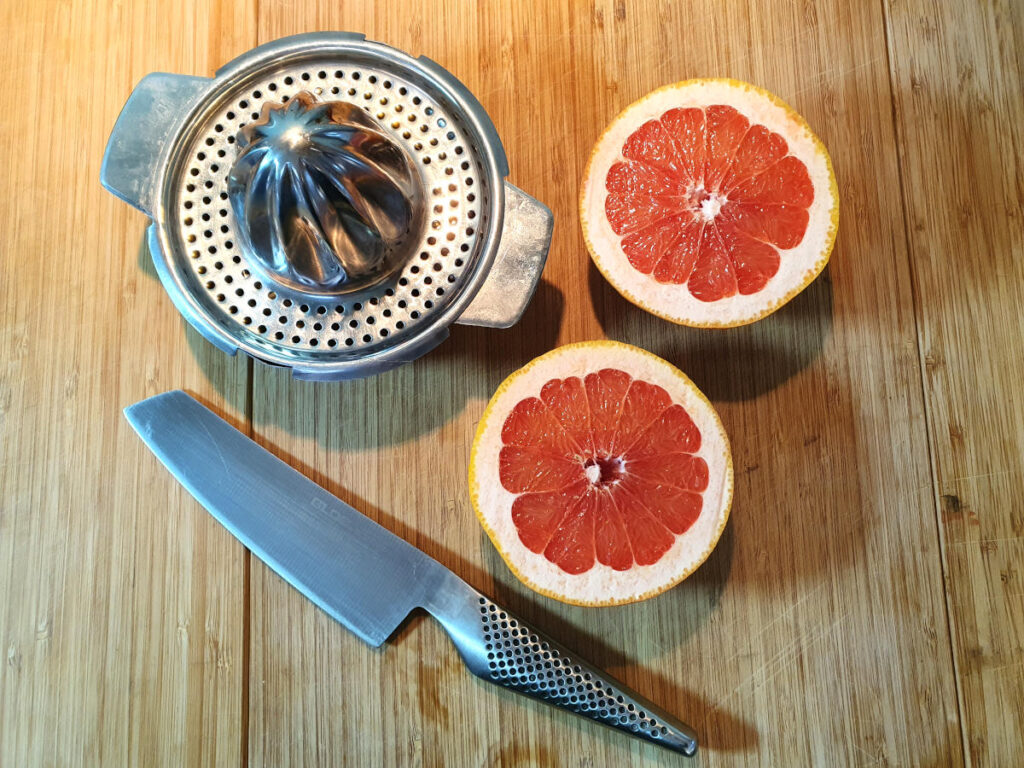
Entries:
{"x":601,"y":473}
{"x":709,"y":203}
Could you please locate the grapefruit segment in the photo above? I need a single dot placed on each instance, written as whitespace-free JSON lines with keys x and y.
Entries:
{"x":754,"y":260}
{"x":760,"y":149}
{"x":673,"y":430}
{"x":650,"y":145}
{"x":709,"y":203}
{"x":606,"y":391}
{"x":784,"y":182}
{"x":534,"y":470}
{"x":726,"y":129}
{"x":571,"y":548}
{"x":601,"y":474}
{"x":611,"y":539}
{"x":647,"y":246}
{"x":644,"y":403}
{"x":649,"y":539}
{"x":714,"y":274}
{"x":781,"y":225}
{"x":675,"y":264}
{"x":538,"y":515}
{"x":675,"y":508}
{"x":680,"y":470}
{"x":532,"y":424}
{"x":642,"y":194}
{"x":686,"y":129}
{"x":567,"y":401}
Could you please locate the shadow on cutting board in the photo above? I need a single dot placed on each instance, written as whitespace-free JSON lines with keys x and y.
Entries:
{"x":727,"y":364}
{"x":398,"y":406}
{"x":792,"y":420}
{"x":632,"y":643}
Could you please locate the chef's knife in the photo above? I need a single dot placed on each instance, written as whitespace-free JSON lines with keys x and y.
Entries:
{"x":369,"y":579}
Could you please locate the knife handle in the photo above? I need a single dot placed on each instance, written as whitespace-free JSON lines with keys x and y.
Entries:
{"x":504,"y":650}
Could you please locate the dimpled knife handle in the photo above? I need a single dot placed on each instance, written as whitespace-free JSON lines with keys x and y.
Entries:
{"x":502,"y":649}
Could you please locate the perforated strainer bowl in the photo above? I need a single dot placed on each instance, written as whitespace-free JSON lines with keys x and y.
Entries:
{"x":475,"y":259}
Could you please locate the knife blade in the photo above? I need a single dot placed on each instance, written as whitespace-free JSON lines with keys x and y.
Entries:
{"x":357,"y":571}
{"x":369,"y":579}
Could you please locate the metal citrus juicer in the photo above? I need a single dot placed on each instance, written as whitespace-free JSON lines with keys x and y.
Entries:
{"x":328,"y":204}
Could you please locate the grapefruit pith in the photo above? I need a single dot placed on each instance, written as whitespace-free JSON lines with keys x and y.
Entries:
{"x":601,"y":474}
{"x":709,"y":203}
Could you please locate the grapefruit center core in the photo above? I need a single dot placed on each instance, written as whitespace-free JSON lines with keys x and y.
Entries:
{"x":603,"y":471}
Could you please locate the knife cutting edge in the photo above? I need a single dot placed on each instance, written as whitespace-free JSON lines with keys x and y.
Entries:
{"x":368,"y":578}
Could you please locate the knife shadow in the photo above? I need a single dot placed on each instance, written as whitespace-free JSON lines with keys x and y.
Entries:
{"x":693,"y":601}
{"x":716,"y":729}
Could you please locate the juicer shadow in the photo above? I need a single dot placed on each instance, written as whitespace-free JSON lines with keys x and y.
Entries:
{"x":397,"y":406}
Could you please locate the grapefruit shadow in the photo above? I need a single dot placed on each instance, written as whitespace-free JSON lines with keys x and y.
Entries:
{"x":787,"y":417}
{"x":729,"y":364}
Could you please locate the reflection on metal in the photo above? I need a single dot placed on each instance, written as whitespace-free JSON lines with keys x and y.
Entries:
{"x":324,"y":199}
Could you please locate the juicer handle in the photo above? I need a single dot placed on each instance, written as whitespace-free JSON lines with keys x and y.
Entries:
{"x":513,"y":277}
{"x":503,"y":649}
{"x":142,"y":136}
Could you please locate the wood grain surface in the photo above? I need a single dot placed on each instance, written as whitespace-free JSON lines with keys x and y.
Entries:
{"x":958,"y":94}
{"x":865,"y":605}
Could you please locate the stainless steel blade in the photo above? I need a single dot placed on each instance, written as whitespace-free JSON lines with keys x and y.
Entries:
{"x":360,"y":573}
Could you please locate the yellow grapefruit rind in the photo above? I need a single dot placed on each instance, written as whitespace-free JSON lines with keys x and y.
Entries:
{"x":810,"y":274}
{"x":474,"y":491}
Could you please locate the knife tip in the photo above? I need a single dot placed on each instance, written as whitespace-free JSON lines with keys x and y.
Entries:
{"x":137,"y":413}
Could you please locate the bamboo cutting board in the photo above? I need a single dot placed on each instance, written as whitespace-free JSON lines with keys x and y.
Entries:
{"x":865,"y":603}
